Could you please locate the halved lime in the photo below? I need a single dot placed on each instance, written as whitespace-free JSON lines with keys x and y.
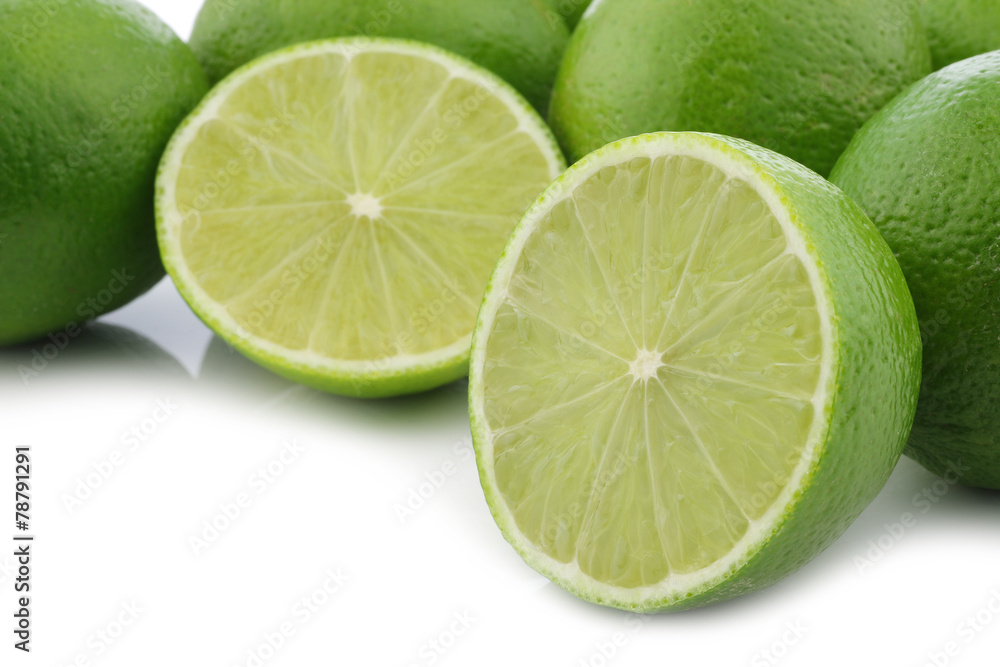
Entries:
{"x":333,"y":210}
{"x":696,"y":363}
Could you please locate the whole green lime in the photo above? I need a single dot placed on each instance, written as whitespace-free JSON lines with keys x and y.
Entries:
{"x":960,"y":29}
{"x":799,"y":77}
{"x":925,"y":170}
{"x":91,"y":92}
{"x":516,"y":39}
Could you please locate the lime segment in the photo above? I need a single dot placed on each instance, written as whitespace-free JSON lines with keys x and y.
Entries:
{"x":707,"y":389}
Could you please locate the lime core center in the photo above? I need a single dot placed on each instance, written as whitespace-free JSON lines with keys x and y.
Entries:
{"x":365,"y":206}
{"x":646,"y":364}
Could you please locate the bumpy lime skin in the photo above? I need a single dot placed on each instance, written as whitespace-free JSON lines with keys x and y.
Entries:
{"x":872,"y":395}
{"x":799,"y":78}
{"x":91,"y":92}
{"x":570,"y":10}
{"x":925,"y":170}
{"x":520,"y":40}
{"x":878,"y":367}
{"x":960,"y":29}
{"x":874,"y":392}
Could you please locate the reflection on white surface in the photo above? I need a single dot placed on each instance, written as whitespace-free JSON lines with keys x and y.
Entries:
{"x":162,"y":316}
{"x":141,"y":458}
{"x":98,"y":349}
{"x":230,"y":376}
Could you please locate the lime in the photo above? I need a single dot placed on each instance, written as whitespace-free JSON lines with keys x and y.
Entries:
{"x":333,"y":210}
{"x":91,"y":92}
{"x":797,"y":77}
{"x":570,"y":10}
{"x":696,"y":363}
{"x":960,"y":29}
{"x":925,"y":170}
{"x":513,"y":38}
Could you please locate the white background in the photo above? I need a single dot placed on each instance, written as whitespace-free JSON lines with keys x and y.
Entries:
{"x":118,"y":581}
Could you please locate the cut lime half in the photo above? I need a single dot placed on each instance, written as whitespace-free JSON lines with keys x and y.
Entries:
{"x":695,"y":365}
{"x":334,"y":210}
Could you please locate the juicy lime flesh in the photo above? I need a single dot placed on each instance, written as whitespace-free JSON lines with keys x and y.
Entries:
{"x":358,"y":219}
{"x":693,"y":335}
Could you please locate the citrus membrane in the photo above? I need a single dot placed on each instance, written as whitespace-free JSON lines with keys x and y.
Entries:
{"x":663,"y":379}
{"x":334,"y":210}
